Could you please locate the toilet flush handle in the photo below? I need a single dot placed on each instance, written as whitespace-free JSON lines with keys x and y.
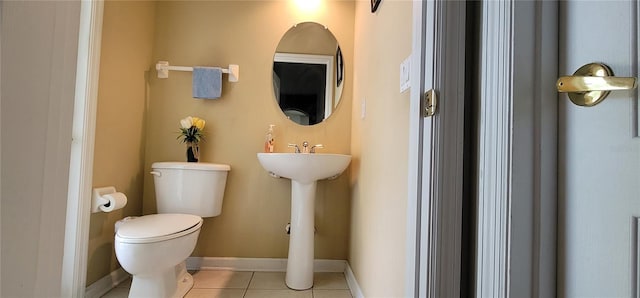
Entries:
{"x":154,"y":173}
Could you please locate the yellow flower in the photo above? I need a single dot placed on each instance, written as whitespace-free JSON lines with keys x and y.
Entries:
{"x":199,"y":123}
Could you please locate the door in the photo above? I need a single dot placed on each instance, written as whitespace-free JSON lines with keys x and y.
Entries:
{"x":599,"y":156}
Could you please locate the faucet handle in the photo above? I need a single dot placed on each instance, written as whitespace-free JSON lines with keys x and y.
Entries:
{"x":313,"y":148}
{"x":297,"y":149}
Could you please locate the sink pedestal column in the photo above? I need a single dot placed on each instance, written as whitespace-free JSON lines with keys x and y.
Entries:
{"x":300,"y":262}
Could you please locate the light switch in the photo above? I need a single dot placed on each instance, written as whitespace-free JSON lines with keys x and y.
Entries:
{"x":363,"y":108}
{"x":405,"y":70}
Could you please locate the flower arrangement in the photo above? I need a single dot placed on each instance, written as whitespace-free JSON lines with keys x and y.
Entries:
{"x":191,"y":133}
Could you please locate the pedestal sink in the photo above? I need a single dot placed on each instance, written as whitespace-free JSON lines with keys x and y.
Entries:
{"x":304,"y":170}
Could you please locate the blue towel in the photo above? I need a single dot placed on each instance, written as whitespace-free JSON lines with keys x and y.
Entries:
{"x":207,"y":82}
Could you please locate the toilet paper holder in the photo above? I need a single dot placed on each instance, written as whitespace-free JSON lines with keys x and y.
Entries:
{"x":97,"y":200}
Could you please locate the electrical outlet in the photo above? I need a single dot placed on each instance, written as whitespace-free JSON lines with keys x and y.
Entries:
{"x":405,"y":77}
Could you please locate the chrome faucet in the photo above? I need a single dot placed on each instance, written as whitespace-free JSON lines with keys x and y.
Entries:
{"x":305,"y":147}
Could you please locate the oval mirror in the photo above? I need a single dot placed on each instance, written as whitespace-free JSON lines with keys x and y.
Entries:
{"x":308,"y":73}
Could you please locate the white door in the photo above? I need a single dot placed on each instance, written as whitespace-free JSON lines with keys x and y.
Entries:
{"x":599,"y":156}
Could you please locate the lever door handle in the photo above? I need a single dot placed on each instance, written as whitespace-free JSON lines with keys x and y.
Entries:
{"x":587,"y":83}
{"x":591,"y":84}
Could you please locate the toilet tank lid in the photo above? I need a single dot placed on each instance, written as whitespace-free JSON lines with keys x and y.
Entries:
{"x":157,"y":226}
{"x":203,"y":166}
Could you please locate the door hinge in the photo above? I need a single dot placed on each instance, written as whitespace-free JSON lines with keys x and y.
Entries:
{"x":430,"y":103}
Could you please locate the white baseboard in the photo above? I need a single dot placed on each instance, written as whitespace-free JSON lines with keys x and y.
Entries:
{"x":105,"y":284}
{"x":356,"y":292}
{"x":258,"y":264}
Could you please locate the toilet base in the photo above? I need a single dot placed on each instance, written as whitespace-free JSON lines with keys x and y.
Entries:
{"x":173,"y":283}
{"x":185,"y":280}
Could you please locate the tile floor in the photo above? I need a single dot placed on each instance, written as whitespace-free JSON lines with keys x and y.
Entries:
{"x":234,"y":284}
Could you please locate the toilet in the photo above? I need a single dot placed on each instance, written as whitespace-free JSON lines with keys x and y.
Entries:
{"x":153,"y":248}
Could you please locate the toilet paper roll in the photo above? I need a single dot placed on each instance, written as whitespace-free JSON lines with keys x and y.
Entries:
{"x":116,"y":200}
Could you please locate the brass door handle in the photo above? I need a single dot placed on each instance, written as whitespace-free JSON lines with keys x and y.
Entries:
{"x":584,"y":84}
{"x":591,"y":84}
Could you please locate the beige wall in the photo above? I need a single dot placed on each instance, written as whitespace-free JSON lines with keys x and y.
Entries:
{"x":127,"y":40}
{"x":379,"y":146}
{"x":256,"y":207}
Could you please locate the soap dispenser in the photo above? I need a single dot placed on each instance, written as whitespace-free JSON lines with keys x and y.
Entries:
{"x":269,"y":140}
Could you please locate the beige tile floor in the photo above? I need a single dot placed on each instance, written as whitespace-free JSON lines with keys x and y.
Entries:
{"x":234,"y":284}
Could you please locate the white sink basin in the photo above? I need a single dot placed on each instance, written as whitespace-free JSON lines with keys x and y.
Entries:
{"x":304,"y":167}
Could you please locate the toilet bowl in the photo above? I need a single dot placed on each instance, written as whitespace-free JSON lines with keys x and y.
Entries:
{"x":153,"y":248}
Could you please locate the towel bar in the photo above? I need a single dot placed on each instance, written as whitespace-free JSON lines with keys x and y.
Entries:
{"x":163,"y":69}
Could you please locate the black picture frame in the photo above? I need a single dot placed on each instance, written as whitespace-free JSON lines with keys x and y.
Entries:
{"x":339,"y":67}
{"x":374,"y":5}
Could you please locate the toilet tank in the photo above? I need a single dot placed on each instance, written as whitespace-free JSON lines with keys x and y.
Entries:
{"x":190,"y":187}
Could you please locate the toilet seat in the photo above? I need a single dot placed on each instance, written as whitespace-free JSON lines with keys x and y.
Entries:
{"x":157,"y":227}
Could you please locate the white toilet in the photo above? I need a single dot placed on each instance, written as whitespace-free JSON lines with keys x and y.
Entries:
{"x":153,"y":248}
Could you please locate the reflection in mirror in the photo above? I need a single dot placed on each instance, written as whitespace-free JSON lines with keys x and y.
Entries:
{"x":308,"y":73}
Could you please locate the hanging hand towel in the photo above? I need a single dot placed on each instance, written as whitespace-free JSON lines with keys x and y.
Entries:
{"x":207,"y":82}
